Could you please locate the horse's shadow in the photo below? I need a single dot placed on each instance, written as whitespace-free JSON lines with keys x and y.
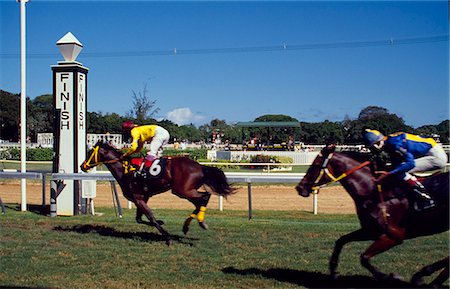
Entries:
{"x":111,"y":232}
{"x":317,"y":279}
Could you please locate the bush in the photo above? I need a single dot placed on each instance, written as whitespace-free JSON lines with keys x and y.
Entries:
{"x":193,"y":154}
{"x":269,"y":159}
{"x":35,"y":154}
{"x":40,"y":154}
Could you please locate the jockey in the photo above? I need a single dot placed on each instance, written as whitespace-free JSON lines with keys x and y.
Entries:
{"x":409,"y":154}
{"x":156,"y":135}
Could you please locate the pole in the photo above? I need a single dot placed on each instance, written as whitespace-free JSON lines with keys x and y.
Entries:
{"x":315,"y":202}
{"x":249,"y":187}
{"x":23,"y":95}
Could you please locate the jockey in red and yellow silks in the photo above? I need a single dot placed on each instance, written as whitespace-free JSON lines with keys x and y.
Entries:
{"x":156,"y":135}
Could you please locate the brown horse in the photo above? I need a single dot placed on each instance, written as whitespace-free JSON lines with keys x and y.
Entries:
{"x":385,"y":216}
{"x":181,"y":174}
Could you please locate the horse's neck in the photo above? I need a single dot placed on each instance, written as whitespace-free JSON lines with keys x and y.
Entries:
{"x":116,"y":170}
{"x":359,"y":184}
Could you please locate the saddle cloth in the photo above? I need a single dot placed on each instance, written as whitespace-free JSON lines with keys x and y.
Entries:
{"x":151,"y":169}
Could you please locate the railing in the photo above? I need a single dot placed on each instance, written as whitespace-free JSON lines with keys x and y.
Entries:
{"x":248,"y":178}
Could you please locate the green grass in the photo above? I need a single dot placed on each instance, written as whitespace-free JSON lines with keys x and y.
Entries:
{"x":274,"y":250}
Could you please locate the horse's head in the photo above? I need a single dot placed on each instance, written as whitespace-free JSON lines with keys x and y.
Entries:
{"x":315,"y":175}
{"x":99,"y":154}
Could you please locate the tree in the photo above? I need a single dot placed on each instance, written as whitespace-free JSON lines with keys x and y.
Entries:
{"x":40,"y":115}
{"x":99,"y":123}
{"x":143,"y":107}
{"x":443,"y":131}
{"x":275,"y":118}
{"x":9,"y":116}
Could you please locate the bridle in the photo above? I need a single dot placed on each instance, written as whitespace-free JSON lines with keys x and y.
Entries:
{"x":93,"y":159}
{"x":326,"y":171}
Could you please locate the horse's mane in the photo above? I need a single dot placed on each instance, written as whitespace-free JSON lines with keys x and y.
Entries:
{"x":108,"y":147}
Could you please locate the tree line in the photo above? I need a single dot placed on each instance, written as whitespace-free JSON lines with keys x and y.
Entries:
{"x":347,"y":131}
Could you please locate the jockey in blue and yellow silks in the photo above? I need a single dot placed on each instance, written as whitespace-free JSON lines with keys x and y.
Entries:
{"x":409,"y":154}
{"x":156,"y":135}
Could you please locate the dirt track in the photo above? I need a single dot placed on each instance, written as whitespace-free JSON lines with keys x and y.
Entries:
{"x":330,"y":200}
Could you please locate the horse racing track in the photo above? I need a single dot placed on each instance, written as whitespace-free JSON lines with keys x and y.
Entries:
{"x":277,"y":249}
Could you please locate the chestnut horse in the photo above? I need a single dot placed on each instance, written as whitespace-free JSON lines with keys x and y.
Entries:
{"x":181,"y":174}
{"x":385,"y":216}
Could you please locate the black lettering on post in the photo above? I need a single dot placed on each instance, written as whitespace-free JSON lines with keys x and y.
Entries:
{"x":64,"y":124}
{"x":65,"y":115}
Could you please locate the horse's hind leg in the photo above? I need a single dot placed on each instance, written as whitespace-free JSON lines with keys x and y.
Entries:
{"x":381,"y":245}
{"x":430,"y":269}
{"x":200,"y":204}
{"x":142,"y":206}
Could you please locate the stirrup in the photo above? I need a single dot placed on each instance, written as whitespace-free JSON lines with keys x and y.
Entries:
{"x":425,"y":205}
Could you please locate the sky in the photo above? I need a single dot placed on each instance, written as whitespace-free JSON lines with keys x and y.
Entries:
{"x":236,"y":61}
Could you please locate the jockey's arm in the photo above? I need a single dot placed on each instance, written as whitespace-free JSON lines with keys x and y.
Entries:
{"x":407,"y":164}
{"x":135,"y":147}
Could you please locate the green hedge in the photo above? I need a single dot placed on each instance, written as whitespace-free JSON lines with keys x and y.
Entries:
{"x":196,"y":154}
{"x":35,"y":154}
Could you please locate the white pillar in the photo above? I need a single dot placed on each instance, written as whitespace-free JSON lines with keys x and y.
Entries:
{"x":23,"y":106}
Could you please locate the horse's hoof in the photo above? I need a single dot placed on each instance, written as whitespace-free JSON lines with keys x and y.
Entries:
{"x":203,"y":225}
{"x":169,"y":242}
{"x":395,"y":277}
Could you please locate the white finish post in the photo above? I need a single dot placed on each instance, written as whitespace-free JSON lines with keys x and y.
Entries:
{"x":70,"y":100}
{"x":23,"y":107}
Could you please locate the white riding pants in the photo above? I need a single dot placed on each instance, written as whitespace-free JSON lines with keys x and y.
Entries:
{"x":436,"y":159}
{"x":161,"y":138}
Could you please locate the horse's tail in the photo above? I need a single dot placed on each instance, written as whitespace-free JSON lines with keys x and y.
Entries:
{"x":217,"y":181}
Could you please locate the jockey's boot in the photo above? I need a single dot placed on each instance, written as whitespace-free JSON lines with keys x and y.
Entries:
{"x":422,"y":199}
{"x":140,"y":173}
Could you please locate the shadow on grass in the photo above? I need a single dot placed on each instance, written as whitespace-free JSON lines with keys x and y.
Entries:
{"x":111,"y":232}
{"x":22,"y":287}
{"x":317,"y":279}
{"x":35,"y":209}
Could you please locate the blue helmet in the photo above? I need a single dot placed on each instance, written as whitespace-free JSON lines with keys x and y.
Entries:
{"x":372,"y":136}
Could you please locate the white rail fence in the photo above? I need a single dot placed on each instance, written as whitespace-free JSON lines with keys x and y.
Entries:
{"x":248,"y":178}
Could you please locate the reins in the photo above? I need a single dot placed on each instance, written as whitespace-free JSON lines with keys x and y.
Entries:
{"x":334,"y":179}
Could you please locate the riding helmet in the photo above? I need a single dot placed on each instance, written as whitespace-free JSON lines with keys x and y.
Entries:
{"x":127,"y":125}
{"x":372,"y":136}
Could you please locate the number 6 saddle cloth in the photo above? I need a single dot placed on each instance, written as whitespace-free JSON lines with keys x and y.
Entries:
{"x":150,"y":169}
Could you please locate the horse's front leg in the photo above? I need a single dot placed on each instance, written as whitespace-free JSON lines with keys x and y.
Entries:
{"x":141,"y":205}
{"x":358,"y":235}
{"x":382,"y":244}
{"x":139,"y":215}
{"x":200,"y":204}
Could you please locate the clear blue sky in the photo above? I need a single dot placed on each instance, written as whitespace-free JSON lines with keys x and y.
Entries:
{"x":230,"y":62}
